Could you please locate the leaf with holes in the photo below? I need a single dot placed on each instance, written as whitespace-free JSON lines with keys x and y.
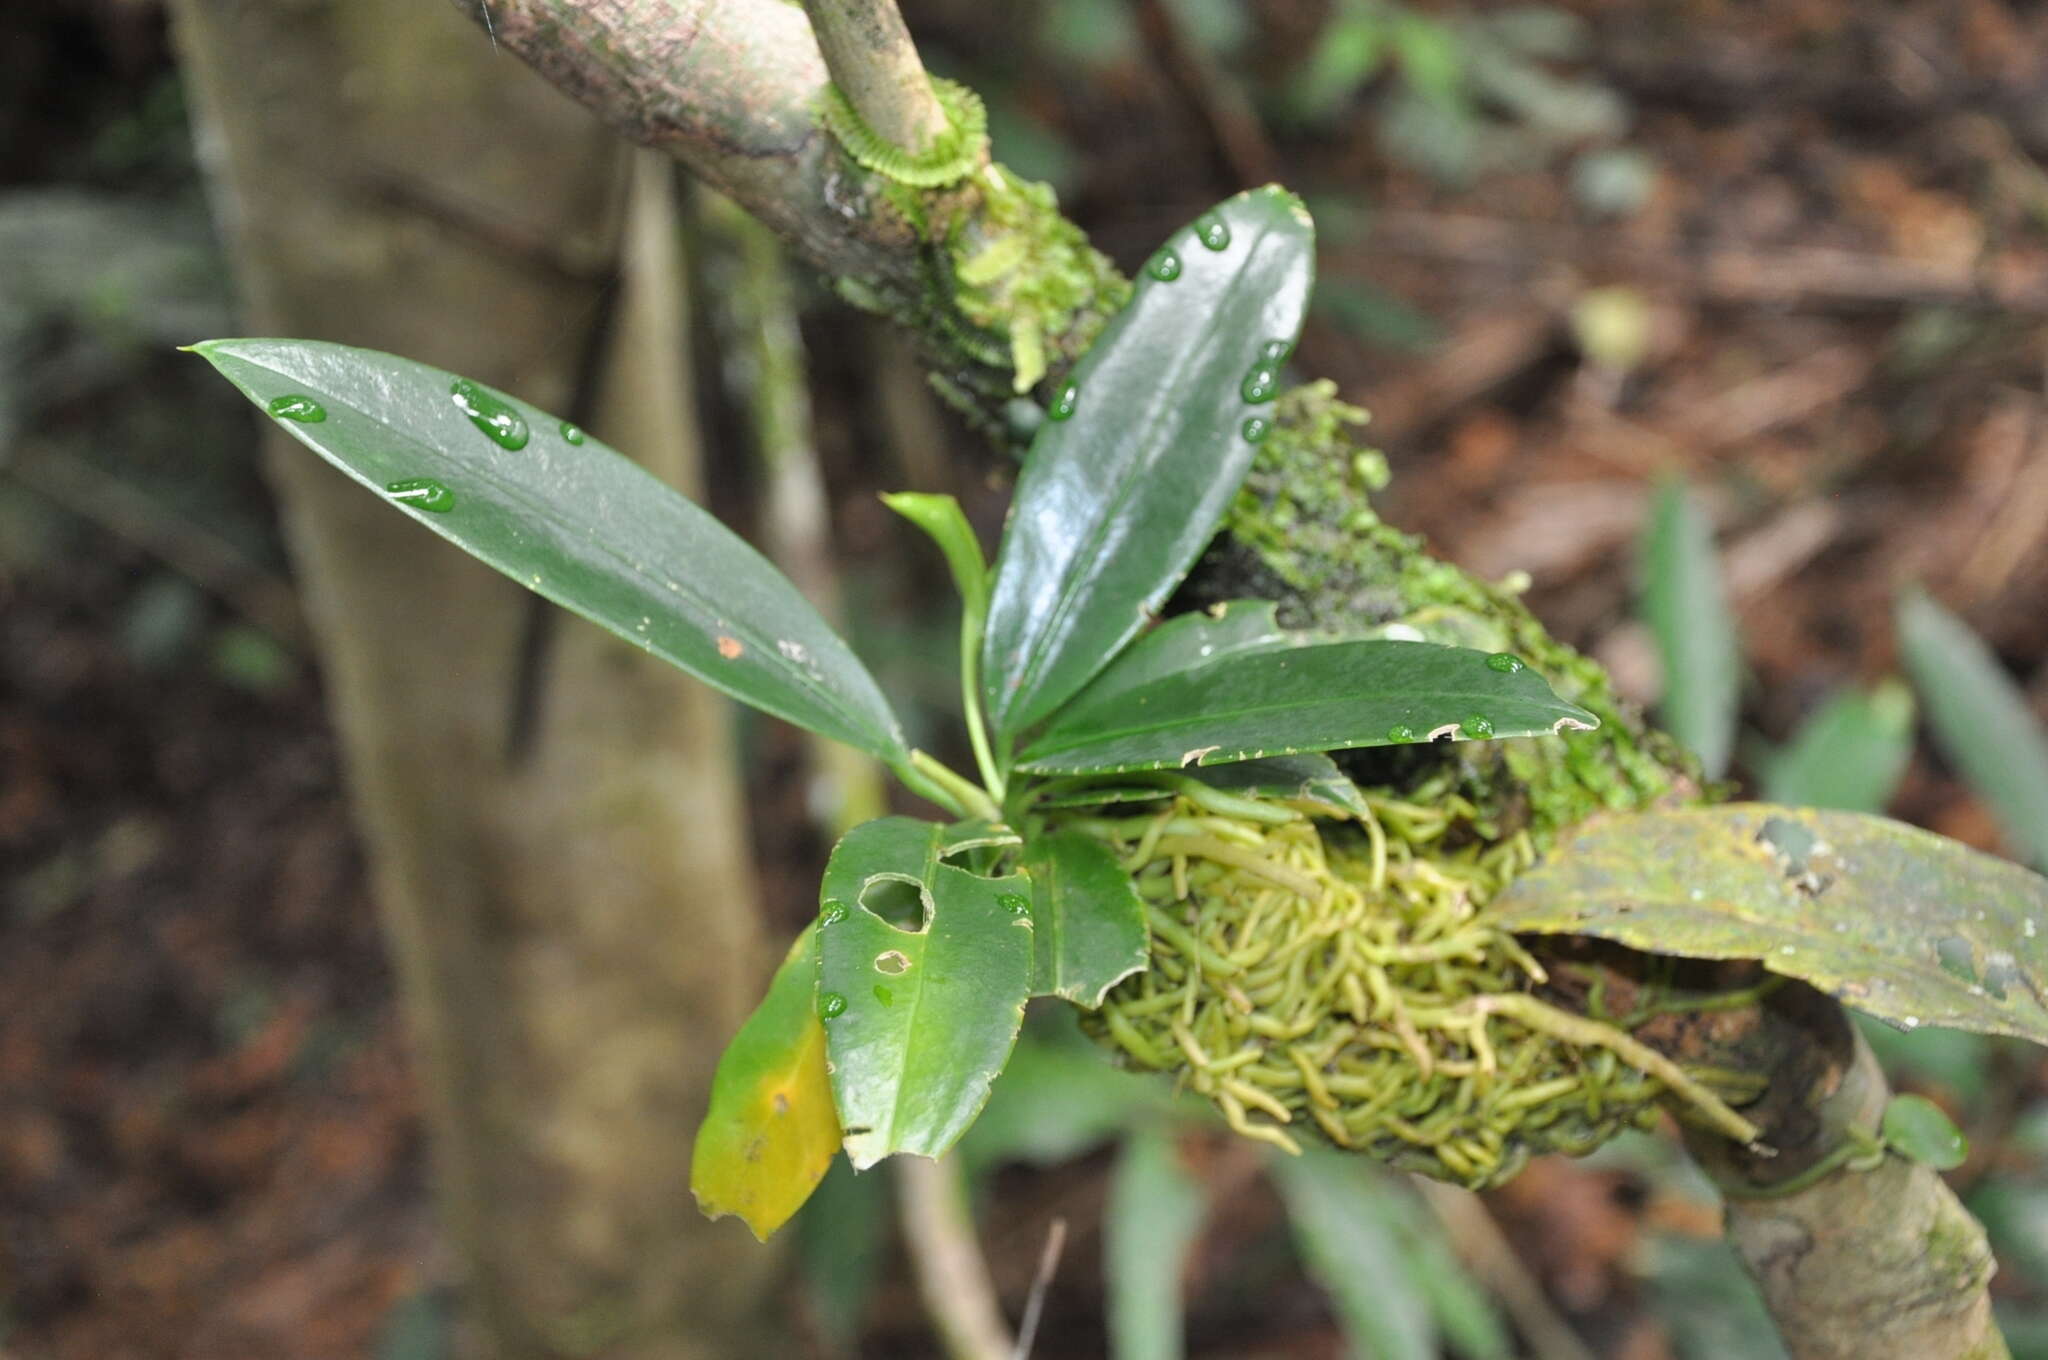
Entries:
{"x":771,"y":1132}
{"x":1908,"y":926}
{"x":1088,"y":922}
{"x":919,"y":1016}
{"x":1317,"y":698}
{"x":1143,"y":450}
{"x":565,"y":516}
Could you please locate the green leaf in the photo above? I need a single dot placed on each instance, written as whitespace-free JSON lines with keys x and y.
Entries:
{"x":1236,"y":628}
{"x":1088,"y":920}
{"x":842,"y":1243}
{"x":1908,"y":926}
{"x":1917,"y":1128}
{"x":1155,"y":1211}
{"x":571,"y":519}
{"x":942,"y":518}
{"x":918,"y":1022}
{"x":771,"y":1132}
{"x":1981,"y":720}
{"x":1349,"y":1232}
{"x":1317,"y":698}
{"x":1310,"y":777}
{"x":1686,"y":606}
{"x":1116,"y":500}
{"x":1850,"y":754}
{"x":1059,"y":1097}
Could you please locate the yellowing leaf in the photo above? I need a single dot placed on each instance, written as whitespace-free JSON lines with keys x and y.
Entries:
{"x":772,"y":1130}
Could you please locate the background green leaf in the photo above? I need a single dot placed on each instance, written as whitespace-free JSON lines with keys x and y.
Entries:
{"x":1849,"y":755}
{"x":1351,"y":1239}
{"x":1906,"y":925}
{"x":1686,"y":605}
{"x":1981,"y":720}
{"x":573,"y":520}
{"x":1316,"y":698}
{"x":918,"y":1022}
{"x":1116,"y":500}
{"x":1088,"y":920}
{"x":1156,"y":1207}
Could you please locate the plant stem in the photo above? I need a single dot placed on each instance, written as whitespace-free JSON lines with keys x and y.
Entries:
{"x":873,"y":62}
{"x":965,"y":797}
{"x":952,"y":1276}
{"x":973,"y":618}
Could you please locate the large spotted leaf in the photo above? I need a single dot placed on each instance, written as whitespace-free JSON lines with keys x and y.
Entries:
{"x":1908,"y":926}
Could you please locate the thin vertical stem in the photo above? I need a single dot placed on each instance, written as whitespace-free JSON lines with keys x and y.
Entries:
{"x":952,"y":1276}
{"x":875,"y":65}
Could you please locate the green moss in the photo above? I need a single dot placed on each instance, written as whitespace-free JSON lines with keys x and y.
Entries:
{"x":1305,"y":523}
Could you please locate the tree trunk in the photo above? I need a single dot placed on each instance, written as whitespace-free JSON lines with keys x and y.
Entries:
{"x":574,"y":927}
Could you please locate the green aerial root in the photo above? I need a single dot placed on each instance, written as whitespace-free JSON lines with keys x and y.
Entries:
{"x":953,"y":155}
{"x":1349,"y":982}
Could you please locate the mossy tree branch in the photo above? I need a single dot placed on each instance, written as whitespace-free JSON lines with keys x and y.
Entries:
{"x":868,"y":50}
{"x":730,"y":86}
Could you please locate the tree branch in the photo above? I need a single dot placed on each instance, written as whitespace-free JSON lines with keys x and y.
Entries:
{"x":869,"y":53}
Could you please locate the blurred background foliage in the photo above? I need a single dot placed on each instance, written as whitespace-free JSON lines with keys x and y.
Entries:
{"x":1726,"y":325}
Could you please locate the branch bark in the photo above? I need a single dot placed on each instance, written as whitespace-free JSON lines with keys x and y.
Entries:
{"x":867,"y":49}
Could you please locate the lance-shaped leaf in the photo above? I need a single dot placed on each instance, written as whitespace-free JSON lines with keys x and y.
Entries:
{"x":1154,"y":1215}
{"x":1319,"y":698}
{"x":568,"y":517}
{"x":1088,"y":922}
{"x":1350,"y":1236}
{"x":1235,"y":628}
{"x":1911,"y":927}
{"x":771,"y":1132}
{"x":918,"y":1022}
{"x":1142,"y":451}
{"x":1686,"y":605}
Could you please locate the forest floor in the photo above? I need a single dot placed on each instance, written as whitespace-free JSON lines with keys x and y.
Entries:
{"x":1798,"y":253}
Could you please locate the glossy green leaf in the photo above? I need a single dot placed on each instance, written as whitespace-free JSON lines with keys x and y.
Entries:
{"x":1316,"y":698}
{"x":1917,"y":1128}
{"x":771,"y":1132}
{"x":1155,"y":1210}
{"x":1981,"y":720}
{"x":1350,"y":1237}
{"x":1310,"y":777}
{"x":1237,"y":628}
{"x":1903,"y":924}
{"x":942,"y":519}
{"x":571,"y":519}
{"x":1850,"y":754}
{"x":1088,"y":920}
{"x":1143,"y":450}
{"x":1686,"y":606}
{"x":918,"y":1021}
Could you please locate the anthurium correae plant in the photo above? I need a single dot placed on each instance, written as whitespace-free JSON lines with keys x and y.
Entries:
{"x":1153,"y":830}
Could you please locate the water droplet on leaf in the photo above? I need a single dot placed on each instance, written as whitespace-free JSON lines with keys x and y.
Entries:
{"x":295,"y":407}
{"x":1478,"y":726}
{"x":1400,"y":732}
{"x":832,"y":913}
{"x":1165,"y":266}
{"x":884,"y":995}
{"x":1063,"y":401}
{"x":1212,"y":231}
{"x":1255,"y":429}
{"x":422,"y":493}
{"x":1014,"y":903}
{"x":1276,"y":351}
{"x":1260,"y":384}
{"x":571,"y":434}
{"x":504,"y":426}
{"x":830,"y":1004}
{"x":1505,"y":662}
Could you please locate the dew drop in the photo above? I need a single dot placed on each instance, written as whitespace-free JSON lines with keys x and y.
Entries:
{"x":832,"y":914}
{"x":1165,"y":266}
{"x":1478,"y":726}
{"x":571,"y":434}
{"x":422,"y":493}
{"x":1400,"y":732}
{"x":1260,"y":384}
{"x":503,"y":425}
{"x":1505,"y":662}
{"x":1212,"y":232}
{"x":1255,"y":429}
{"x":295,"y":407}
{"x":1275,"y":351}
{"x":1063,"y":401}
{"x":884,"y":995}
{"x":830,"y":1004}
{"x":1014,"y":903}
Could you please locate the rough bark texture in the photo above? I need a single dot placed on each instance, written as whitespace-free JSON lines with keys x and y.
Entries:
{"x":574,"y":932}
{"x":646,"y":66}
